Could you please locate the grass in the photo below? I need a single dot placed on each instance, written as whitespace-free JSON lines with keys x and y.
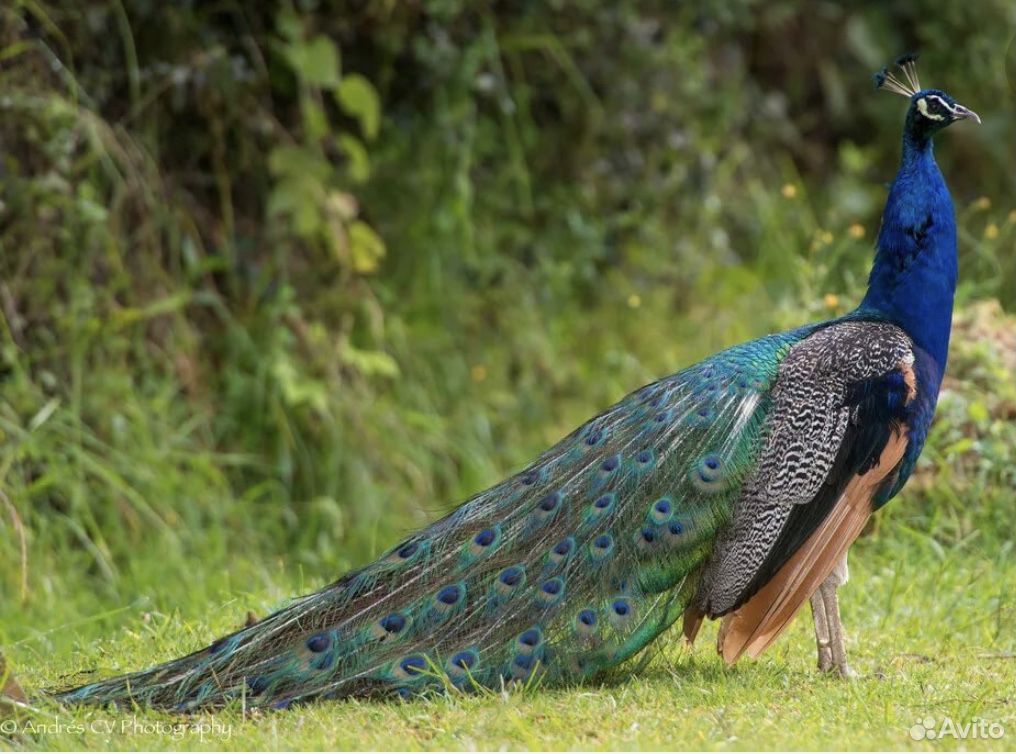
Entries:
{"x":929,"y":613}
{"x":930,"y":631}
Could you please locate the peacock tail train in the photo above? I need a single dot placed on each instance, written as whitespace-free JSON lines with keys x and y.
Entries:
{"x":561,"y":571}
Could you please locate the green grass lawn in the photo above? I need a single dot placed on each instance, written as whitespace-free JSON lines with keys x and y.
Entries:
{"x":930,"y":631}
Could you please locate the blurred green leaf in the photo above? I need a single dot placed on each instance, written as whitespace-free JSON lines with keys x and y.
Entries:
{"x":359,"y":98}
{"x":294,"y":160}
{"x":315,"y":122}
{"x":298,"y":197}
{"x":959,"y":447}
{"x":316,"y":61}
{"x":297,"y":389}
{"x":365,"y":247}
{"x":978,"y":412}
{"x":369,"y":363}
{"x":359,"y":162}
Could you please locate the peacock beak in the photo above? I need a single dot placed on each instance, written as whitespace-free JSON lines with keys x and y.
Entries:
{"x":962,"y":113}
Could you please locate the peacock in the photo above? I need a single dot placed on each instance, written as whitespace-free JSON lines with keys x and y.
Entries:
{"x":730,"y":490}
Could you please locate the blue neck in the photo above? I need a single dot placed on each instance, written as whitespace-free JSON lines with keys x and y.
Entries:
{"x":913,"y":278}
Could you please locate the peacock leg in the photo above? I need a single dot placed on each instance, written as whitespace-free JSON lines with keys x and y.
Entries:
{"x":825,"y":657}
{"x":833,"y":625}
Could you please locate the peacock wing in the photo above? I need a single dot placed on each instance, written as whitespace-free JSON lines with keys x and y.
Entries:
{"x":837,"y":435}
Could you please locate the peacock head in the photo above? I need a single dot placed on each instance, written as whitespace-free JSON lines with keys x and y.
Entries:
{"x":931,"y":110}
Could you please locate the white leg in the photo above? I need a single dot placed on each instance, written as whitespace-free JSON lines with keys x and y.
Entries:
{"x":825,"y":606}
{"x":825,"y":657}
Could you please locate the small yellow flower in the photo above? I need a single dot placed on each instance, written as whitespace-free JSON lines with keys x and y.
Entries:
{"x":832,"y":301}
{"x":991,"y":232}
{"x":856,"y":230}
{"x":634,"y":301}
{"x":982,"y":203}
{"x":478,"y":372}
{"x":789,"y":190}
{"x":825,"y":237}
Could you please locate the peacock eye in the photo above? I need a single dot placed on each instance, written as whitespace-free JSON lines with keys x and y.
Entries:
{"x":932,"y":108}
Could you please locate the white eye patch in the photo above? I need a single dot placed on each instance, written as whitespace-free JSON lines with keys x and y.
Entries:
{"x":922,"y":107}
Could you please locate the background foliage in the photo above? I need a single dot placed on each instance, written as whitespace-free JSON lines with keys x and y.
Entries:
{"x":280,"y":281}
